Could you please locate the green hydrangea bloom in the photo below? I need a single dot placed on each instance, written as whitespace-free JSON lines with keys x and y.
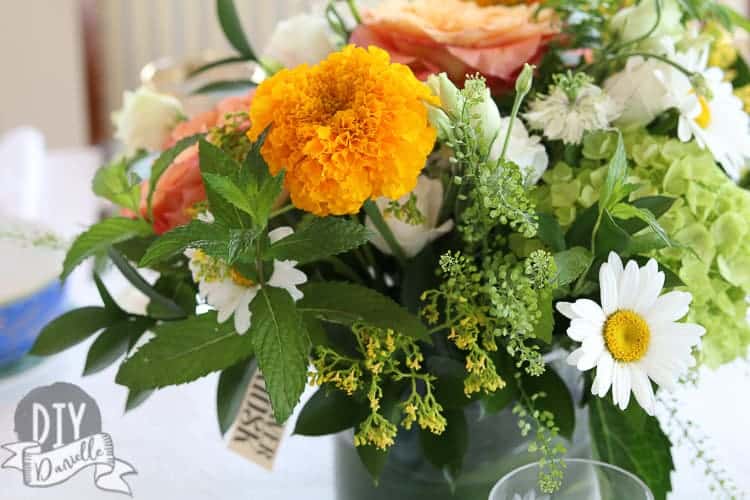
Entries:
{"x":711,"y":216}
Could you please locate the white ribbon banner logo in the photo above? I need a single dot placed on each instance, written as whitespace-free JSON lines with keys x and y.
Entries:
{"x":42,"y":469}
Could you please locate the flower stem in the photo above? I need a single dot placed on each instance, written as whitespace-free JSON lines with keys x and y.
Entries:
{"x":355,"y":12}
{"x":282,"y":211}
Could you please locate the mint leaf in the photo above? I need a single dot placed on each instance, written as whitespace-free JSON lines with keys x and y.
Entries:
{"x":447,"y":450}
{"x":231,"y":391}
{"x":319,"y":239}
{"x":212,"y":238}
{"x":282,"y":347}
{"x":71,"y":328}
{"x":329,"y":411}
{"x":164,"y":161}
{"x":616,"y":173}
{"x":215,"y":161}
{"x":571,"y":264}
{"x":113,"y":342}
{"x":550,"y":232}
{"x":625,"y":212}
{"x":347,"y":303}
{"x":263,"y":188}
{"x":634,"y":441}
{"x":229,"y":191}
{"x":610,"y":237}
{"x":101,"y":236}
{"x":117,"y":183}
{"x":183,"y":351}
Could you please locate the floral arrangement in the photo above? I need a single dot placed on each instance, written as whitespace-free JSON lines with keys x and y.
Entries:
{"x":420,"y":202}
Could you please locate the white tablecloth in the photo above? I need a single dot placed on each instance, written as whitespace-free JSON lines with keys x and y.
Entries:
{"x":174,"y":443}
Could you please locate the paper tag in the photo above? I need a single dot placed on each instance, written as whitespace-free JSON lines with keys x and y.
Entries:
{"x":255,"y":434}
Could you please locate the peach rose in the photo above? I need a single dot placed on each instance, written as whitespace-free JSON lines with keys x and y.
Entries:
{"x":459,"y":37}
{"x":180,"y":187}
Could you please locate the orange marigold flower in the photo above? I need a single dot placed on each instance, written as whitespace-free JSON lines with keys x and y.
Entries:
{"x":350,"y":128}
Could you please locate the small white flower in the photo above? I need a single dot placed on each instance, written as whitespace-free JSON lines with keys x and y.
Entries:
{"x":146,"y":119}
{"x":639,"y":91}
{"x":230,"y":293}
{"x":634,"y":336}
{"x":413,"y":238}
{"x":524,"y":150}
{"x":567,"y":115}
{"x":302,"y":39}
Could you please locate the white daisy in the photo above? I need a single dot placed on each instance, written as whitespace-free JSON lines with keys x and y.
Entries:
{"x":223,"y":288}
{"x":633,"y":337}
{"x":717,"y":121}
{"x":573,"y":106}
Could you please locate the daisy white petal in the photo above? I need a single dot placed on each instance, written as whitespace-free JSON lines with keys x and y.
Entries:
{"x":608,"y":286}
{"x":280,"y":233}
{"x":604,"y":373}
{"x":574,"y":357}
{"x":644,"y":394}
{"x":652,"y":282}
{"x":566,"y":309}
{"x":615,"y":264}
{"x":581,"y":329}
{"x":628,"y":291}
{"x":669,"y":307}
{"x":586,"y":308}
{"x":621,"y":385}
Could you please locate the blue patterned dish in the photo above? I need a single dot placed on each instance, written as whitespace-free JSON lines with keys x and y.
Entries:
{"x":22,"y":319}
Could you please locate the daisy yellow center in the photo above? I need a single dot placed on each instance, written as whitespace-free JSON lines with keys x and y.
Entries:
{"x":239,"y":279}
{"x":704,"y":119}
{"x":627,"y":336}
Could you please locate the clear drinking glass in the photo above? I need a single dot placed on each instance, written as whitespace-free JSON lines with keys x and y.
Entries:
{"x":584,"y":480}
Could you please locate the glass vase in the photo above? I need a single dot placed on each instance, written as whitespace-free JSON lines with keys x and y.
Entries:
{"x":584,"y":480}
{"x":495,"y":448}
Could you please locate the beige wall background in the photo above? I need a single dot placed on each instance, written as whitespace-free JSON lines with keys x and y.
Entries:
{"x":42,"y":80}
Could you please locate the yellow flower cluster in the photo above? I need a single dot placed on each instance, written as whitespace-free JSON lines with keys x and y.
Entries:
{"x":386,"y":356}
{"x":350,"y":128}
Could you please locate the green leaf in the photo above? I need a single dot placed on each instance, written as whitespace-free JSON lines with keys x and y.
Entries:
{"x":319,"y":239}
{"x":735,"y":18}
{"x":499,"y":400}
{"x":373,"y":459}
{"x":164,"y":161}
{"x":117,"y":183}
{"x":579,"y":233}
{"x":71,"y":328}
{"x":233,"y":86}
{"x":99,"y":237}
{"x":616,"y":173}
{"x":551,"y":233}
{"x":610,"y":237}
{"x":183,"y":351}
{"x":644,"y":243}
{"x":282,"y":347}
{"x":215,"y":161}
{"x":167,"y":307}
{"x":571,"y":264}
{"x":232,"y":27}
{"x":657,"y":205}
{"x":634,"y":441}
{"x":177,"y":287}
{"x":113,"y":343}
{"x":263,"y":188}
{"x":229,"y":191}
{"x":449,"y":386}
{"x":329,"y":411}
{"x":231,"y":390}
{"x":109,"y":303}
{"x":217,"y":63}
{"x":557,"y":399}
{"x":212,"y":238}
{"x":346,"y":304}
{"x":546,"y":324}
{"x":136,"y":399}
{"x":624,"y":211}
{"x":449,"y":448}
